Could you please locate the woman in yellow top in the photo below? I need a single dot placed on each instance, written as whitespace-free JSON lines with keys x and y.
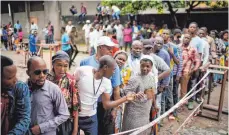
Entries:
{"x":121,"y":58}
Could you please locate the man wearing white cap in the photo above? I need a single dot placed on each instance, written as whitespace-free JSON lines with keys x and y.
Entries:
{"x":86,"y":29}
{"x":104,"y":47}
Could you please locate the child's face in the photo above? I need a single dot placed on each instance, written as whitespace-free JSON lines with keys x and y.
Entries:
{"x":146,"y":67}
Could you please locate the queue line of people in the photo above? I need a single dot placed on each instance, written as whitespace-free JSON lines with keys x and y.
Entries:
{"x":91,"y":99}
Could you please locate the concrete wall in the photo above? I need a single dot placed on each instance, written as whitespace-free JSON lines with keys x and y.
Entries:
{"x":90,"y":5}
{"x":50,"y":13}
{"x":5,"y":19}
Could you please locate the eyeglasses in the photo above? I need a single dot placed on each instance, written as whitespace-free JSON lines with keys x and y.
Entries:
{"x":148,"y":48}
{"x":165,"y":33}
{"x":38,"y":72}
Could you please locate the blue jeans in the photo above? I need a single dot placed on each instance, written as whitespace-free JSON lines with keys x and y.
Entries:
{"x":167,"y":97}
{"x":82,"y":16}
{"x":218,"y":77}
{"x":116,"y":15}
{"x":175,"y":92}
{"x":89,"y":125}
{"x":192,"y":82}
{"x":92,"y":51}
{"x":158,"y":103}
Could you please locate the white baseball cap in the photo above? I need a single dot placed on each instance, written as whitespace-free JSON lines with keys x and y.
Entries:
{"x":88,"y":21}
{"x":105,"y":40}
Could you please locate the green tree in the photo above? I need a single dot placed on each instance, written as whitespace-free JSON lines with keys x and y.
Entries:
{"x":135,"y":6}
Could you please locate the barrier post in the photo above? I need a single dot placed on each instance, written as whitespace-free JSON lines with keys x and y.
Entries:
{"x":210,"y":87}
{"x":219,"y":108}
{"x":222,"y":95}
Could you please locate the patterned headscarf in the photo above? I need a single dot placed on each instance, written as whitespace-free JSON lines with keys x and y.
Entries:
{"x":60,"y":55}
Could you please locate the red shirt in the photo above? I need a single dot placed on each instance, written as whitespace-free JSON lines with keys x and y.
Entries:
{"x":83,"y":9}
{"x":190,"y":58}
{"x":116,"y":48}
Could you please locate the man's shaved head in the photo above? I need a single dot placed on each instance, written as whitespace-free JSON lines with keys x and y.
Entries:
{"x":204,"y":29}
{"x":159,"y":38}
{"x":137,"y":42}
{"x":34,"y":59}
{"x":106,"y":60}
{"x":107,"y":65}
{"x":37,"y":71}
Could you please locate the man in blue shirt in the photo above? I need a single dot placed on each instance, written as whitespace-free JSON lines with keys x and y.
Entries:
{"x":65,"y":42}
{"x":5,"y":37}
{"x":17,"y":25}
{"x":105,"y":47}
{"x":32,"y":43}
{"x":197,"y":43}
{"x":173,"y":52}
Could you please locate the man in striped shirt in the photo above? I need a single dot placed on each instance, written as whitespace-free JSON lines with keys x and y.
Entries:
{"x":191,"y":62}
{"x":177,"y":70}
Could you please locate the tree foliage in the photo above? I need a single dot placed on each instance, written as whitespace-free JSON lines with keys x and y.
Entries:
{"x":134,"y":6}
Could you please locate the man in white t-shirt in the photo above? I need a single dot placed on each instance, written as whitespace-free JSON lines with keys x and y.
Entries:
{"x":86,"y":29}
{"x":33,"y":27}
{"x":116,"y":12}
{"x":206,"y":47}
{"x":69,"y":27}
{"x":119,"y":33}
{"x":92,"y":83}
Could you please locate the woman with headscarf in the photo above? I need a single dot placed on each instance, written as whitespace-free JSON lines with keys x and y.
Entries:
{"x":136,"y":113}
{"x":67,"y":84}
{"x":121,"y":58}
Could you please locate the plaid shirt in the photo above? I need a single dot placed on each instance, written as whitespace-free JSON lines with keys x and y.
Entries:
{"x":177,"y":69}
{"x":190,"y":58}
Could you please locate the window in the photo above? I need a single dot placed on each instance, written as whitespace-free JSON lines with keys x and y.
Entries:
{"x":4,"y":7}
{"x":15,"y":6}
{"x":36,"y":5}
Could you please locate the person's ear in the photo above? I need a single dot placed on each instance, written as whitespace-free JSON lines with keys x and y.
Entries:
{"x":27,"y":72}
{"x":105,"y":67}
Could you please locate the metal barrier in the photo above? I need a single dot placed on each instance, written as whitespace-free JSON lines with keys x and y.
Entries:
{"x":219,"y":108}
{"x":188,"y":96}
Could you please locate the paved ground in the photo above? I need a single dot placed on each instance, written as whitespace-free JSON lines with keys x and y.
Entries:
{"x":197,"y":126}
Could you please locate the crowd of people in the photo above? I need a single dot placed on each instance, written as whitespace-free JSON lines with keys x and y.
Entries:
{"x":115,"y":88}
{"x":103,"y":12}
{"x":12,"y":36}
